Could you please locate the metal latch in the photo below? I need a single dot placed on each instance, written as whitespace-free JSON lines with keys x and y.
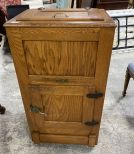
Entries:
{"x":95,"y":95}
{"x":36,"y":109}
{"x":91,"y":123}
{"x":62,"y":80}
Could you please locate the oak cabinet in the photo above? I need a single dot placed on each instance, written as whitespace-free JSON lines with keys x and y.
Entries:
{"x":62,"y":59}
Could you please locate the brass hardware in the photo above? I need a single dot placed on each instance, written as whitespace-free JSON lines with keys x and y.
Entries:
{"x":95,"y":95}
{"x":91,"y":123}
{"x":36,"y":109}
{"x":61,"y":15}
{"x":62,"y":80}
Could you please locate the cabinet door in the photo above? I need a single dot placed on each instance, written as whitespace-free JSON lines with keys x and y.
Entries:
{"x":63,"y":109}
{"x":61,"y":62}
{"x":67,"y":52}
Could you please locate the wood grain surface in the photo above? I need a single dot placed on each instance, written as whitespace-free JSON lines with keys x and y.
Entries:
{"x":66,"y":107}
{"x":57,"y":80}
{"x":58,"y":64}
{"x":60,"y":34}
{"x":61,"y":58}
{"x":64,"y":139}
{"x":62,"y":108}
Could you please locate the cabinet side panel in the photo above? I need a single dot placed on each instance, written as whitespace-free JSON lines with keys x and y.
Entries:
{"x":102,"y":68}
{"x":16,"y":47}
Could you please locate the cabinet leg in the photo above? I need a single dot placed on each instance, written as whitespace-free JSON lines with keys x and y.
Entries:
{"x":127,"y":78}
{"x":92,"y":140}
{"x":35,"y":137}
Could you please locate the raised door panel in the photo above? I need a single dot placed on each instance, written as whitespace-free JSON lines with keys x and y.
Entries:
{"x":62,"y":108}
{"x":61,"y":58}
{"x":65,"y":108}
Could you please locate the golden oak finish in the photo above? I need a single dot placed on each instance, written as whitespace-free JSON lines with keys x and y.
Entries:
{"x":57,"y":58}
{"x":36,"y":137}
{"x":70,"y":80}
{"x":22,"y":75}
{"x":66,"y":109}
{"x":57,"y":34}
{"x":64,"y":139}
{"x":62,"y":59}
{"x":92,"y":140}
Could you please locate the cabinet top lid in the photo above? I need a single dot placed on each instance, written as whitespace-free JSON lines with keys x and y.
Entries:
{"x":62,"y":18}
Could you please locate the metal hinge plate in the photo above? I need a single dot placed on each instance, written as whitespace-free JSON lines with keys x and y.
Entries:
{"x":95,"y":95}
{"x":91,"y":123}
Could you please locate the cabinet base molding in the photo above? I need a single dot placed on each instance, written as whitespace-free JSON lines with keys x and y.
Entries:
{"x":64,"y":139}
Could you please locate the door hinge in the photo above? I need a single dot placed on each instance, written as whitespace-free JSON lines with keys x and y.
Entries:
{"x":91,"y":123}
{"x":95,"y":95}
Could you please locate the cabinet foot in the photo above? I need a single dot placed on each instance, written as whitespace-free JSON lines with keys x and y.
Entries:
{"x":35,"y":137}
{"x":92,"y":140}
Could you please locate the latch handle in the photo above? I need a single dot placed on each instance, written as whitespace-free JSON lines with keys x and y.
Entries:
{"x":36,"y":109}
{"x":60,"y":15}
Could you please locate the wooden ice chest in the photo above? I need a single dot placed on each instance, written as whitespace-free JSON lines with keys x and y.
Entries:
{"x":62,"y":59}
